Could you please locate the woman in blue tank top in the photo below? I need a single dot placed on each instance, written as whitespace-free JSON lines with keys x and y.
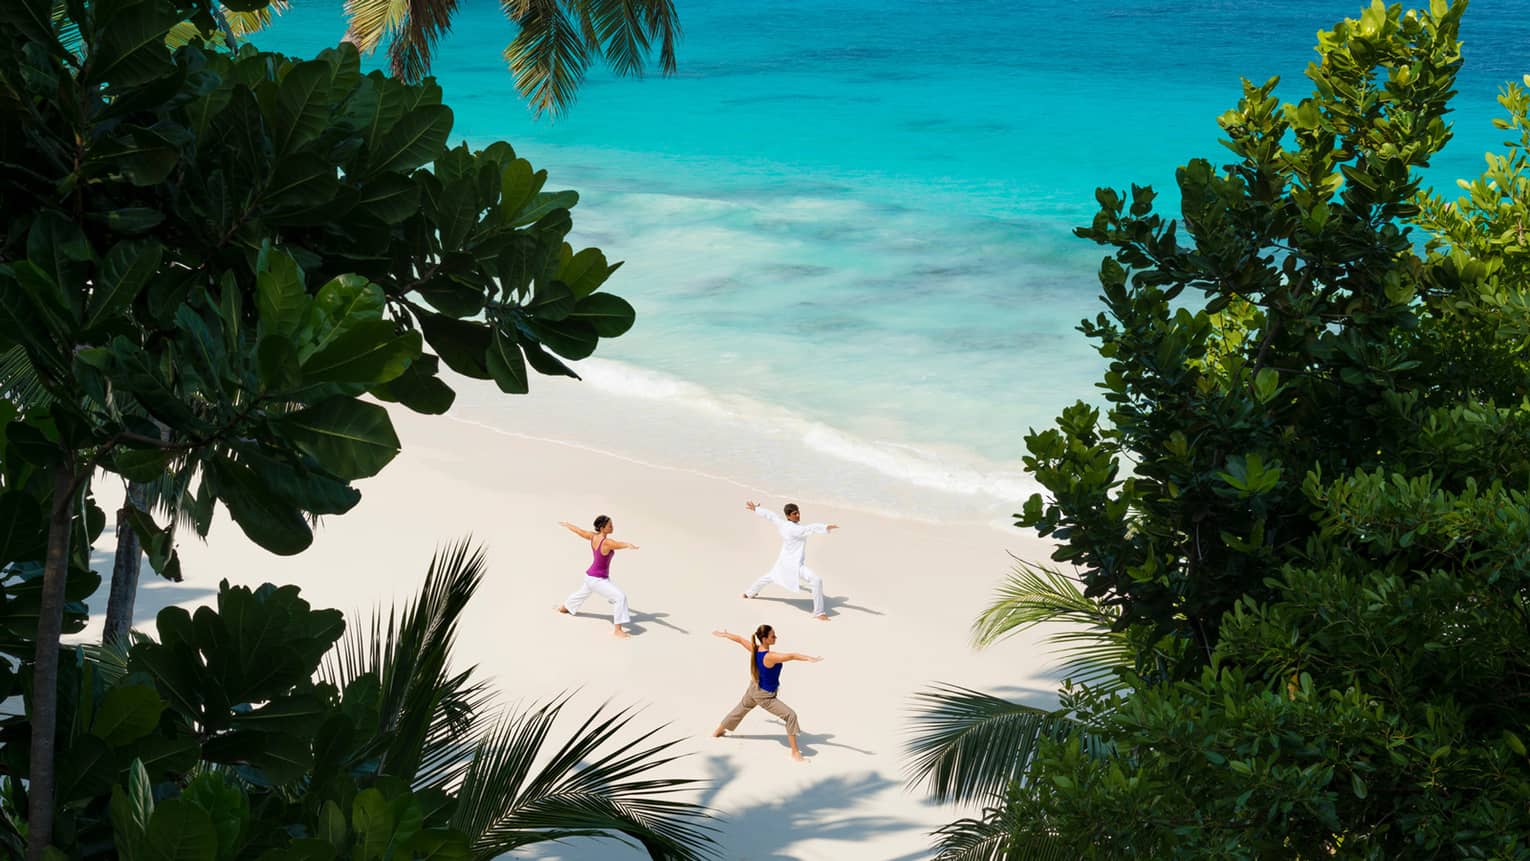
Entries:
{"x":764,"y":683}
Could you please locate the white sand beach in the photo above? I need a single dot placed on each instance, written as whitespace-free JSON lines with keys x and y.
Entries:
{"x":902,"y":595}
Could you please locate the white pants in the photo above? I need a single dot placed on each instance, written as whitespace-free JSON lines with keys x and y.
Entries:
{"x":605,"y":589}
{"x":808,"y":578}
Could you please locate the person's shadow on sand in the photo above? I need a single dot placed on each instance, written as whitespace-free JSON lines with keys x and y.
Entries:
{"x":831,"y":604}
{"x":635,"y":625}
{"x":805,"y":741}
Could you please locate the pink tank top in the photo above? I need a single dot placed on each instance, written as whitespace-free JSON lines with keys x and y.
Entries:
{"x":601,"y":567}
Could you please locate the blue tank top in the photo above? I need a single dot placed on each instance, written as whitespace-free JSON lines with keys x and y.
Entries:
{"x":770,"y":677}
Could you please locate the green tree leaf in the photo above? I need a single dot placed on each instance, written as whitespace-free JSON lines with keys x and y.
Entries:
{"x":126,"y":714}
{"x":412,"y":141}
{"x":352,"y":439}
{"x":280,"y":296}
{"x":462,"y":344}
{"x":611,"y":316}
{"x":507,"y":365}
{"x":543,"y":203}
{"x":181,"y":831}
{"x":571,"y":339}
{"x":332,"y":828}
{"x":278,"y":527}
{"x":518,"y":185}
{"x":303,"y":105}
{"x":373,"y":822}
{"x":585,"y":271}
{"x":364,"y":351}
{"x":124,"y":275}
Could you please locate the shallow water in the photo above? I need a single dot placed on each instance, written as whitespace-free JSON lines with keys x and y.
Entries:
{"x":847,"y":225}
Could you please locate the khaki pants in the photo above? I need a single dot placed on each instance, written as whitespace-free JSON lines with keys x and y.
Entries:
{"x":765,"y":700}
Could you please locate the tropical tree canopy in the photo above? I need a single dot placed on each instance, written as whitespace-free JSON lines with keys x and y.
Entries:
{"x":1304,"y":509}
{"x":261,"y":727}
{"x":210,"y":257}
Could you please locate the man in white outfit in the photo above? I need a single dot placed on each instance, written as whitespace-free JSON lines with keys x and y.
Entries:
{"x":791,"y":571}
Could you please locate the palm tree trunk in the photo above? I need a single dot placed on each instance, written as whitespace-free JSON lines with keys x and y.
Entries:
{"x":119,"y":607}
{"x":50,"y":621}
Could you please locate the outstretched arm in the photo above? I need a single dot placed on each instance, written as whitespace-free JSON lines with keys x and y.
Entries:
{"x":582,"y":533}
{"x":726,"y":635}
{"x":764,"y":512}
{"x":620,"y":545}
{"x":782,"y":657}
{"x":820,"y":528}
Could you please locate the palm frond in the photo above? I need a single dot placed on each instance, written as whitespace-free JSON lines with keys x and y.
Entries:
{"x":622,"y":31}
{"x":1094,"y":651}
{"x":999,"y":835}
{"x":414,"y":41}
{"x":242,"y":24}
{"x":548,"y":56}
{"x":411,"y":29}
{"x":985,"y":839}
{"x":1032,"y":595}
{"x":425,"y":709}
{"x":662,"y":19}
{"x":591,"y":787}
{"x":170,"y":497}
{"x":19,"y":382}
{"x":111,"y":658}
{"x":971,"y":746}
{"x":369,"y":22}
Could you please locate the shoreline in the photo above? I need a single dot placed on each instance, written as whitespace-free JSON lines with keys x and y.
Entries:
{"x":757,"y":447}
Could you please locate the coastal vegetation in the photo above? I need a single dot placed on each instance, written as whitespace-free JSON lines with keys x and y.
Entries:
{"x":210,"y":256}
{"x":1297,"y":537}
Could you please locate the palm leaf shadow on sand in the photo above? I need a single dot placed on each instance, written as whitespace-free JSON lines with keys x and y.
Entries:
{"x":770,"y":830}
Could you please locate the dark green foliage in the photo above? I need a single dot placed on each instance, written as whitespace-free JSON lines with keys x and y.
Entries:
{"x":242,"y":231}
{"x":1373,"y":709}
{"x":224,"y":740}
{"x":1310,"y":488}
{"x":1295,"y":332}
{"x":208,"y":259}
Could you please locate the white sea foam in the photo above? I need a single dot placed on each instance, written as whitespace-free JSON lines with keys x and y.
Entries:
{"x":917,"y":467}
{"x":805,"y":451}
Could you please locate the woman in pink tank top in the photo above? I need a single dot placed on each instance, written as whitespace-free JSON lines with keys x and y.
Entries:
{"x":597,"y":578}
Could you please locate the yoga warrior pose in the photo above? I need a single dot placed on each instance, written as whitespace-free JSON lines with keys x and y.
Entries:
{"x":764,"y":682}
{"x":598,"y":577}
{"x":791,"y":566}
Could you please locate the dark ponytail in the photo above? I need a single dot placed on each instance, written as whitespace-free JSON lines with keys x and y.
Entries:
{"x":759,"y":634}
{"x":601,"y":521}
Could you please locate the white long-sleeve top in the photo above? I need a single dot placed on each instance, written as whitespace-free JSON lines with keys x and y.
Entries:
{"x":793,"y":557}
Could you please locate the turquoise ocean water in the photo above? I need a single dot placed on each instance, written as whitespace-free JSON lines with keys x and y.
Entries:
{"x":847,"y":224}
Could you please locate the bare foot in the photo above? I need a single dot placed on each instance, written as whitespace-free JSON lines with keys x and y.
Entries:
{"x":822,"y":617}
{"x":797,"y":755}
{"x":562,"y":609}
{"x":621,"y":633}
{"x":719,"y":732}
